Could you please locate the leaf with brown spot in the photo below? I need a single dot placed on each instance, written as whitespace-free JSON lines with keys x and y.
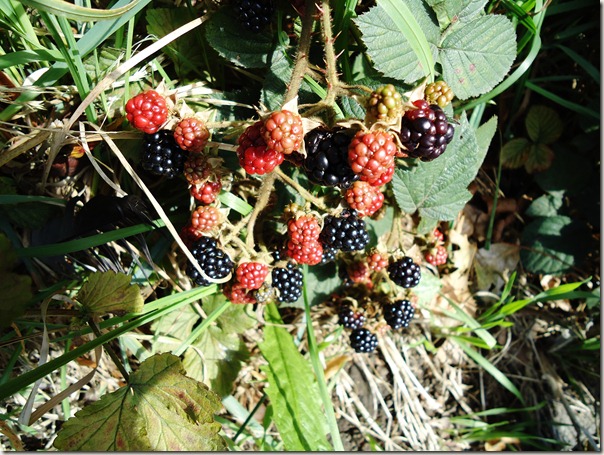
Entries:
{"x":161,"y":409}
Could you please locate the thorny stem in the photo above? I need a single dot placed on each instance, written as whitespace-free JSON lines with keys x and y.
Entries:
{"x":263,"y":195}
{"x":304,"y":193}
{"x":301,"y":64}
{"x":333,"y":83}
{"x":110,"y":351}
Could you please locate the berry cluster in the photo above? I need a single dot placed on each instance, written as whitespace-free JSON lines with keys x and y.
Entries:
{"x":352,"y":164}
{"x":436,"y":253}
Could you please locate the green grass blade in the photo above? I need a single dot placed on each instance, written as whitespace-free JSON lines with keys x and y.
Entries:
{"x":9,"y":199}
{"x":590,"y":69}
{"x":406,"y":23}
{"x":465,"y":318}
{"x":320,"y":374}
{"x":91,"y":40}
{"x":20,"y":382}
{"x":78,"y":13}
{"x":71,"y":246}
{"x":234,"y":202}
{"x":578,"y":108}
{"x":491,"y":369}
{"x":29,"y":56}
{"x":180,"y":350}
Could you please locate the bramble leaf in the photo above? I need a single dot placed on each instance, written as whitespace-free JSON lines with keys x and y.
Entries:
{"x":292,"y":389}
{"x":161,"y":409}
{"x":224,"y":35}
{"x":438,"y":189}
{"x":184,"y":51}
{"x":216,"y":356}
{"x":543,"y":125}
{"x":449,"y":11}
{"x":554,"y":244}
{"x":515,"y":153}
{"x":110,"y":292}
{"x":477,"y":55}
{"x":546,"y":205}
{"x":391,"y":52}
{"x":539,"y":159}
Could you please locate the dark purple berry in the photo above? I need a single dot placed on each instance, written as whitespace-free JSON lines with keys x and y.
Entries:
{"x":254,"y":14}
{"x":425,"y":132}
{"x":346,"y":232}
{"x":362,"y":340}
{"x":326,"y":161}
{"x":289,"y":282}
{"x":214,"y":262}
{"x":162,"y":155}
{"x":349,"y":318}
{"x":398,"y":314}
{"x":405,"y":272}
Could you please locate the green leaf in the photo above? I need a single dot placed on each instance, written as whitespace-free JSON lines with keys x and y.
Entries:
{"x":8,"y":257}
{"x":567,"y":173}
{"x":554,"y":245}
{"x":16,"y":292}
{"x":161,"y":409}
{"x":105,"y":61}
{"x":539,"y":159}
{"x":216,"y":356}
{"x":387,"y":44}
{"x":184,"y":51}
{"x":428,"y":288}
{"x":320,"y":280}
{"x":274,"y":87}
{"x":292,"y":389}
{"x":176,"y":325}
{"x":543,"y":124}
{"x":485,"y":133}
{"x":225,"y":35}
{"x":438,"y":189}
{"x":515,"y":153}
{"x":110,"y":292}
{"x":477,"y":55}
{"x":451,"y":11}
{"x":490,"y":368}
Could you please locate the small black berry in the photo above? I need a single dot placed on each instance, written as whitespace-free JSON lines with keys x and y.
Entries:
{"x":326,"y":161}
{"x":214,"y":262}
{"x":162,"y":155}
{"x":346,"y":232}
{"x":362,"y":340}
{"x":405,"y":272}
{"x":398,"y":314}
{"x":349,"y":318}
{"x":289,"y":282}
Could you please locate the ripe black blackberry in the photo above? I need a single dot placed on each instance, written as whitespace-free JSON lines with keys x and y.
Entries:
{"x":326,"y":161}
{"x":162,"y":155}
{"x":289,"y":281}
{"x":254,"y":14}
{"x":346,"y":232}
{"x":399,"y":313}
{"x":329,"y":254}
{"x":349,"y":318}
{"x":362,"y":340}
{"x":405,"y":272}
{"x":214,"y":262}
{"x":425,"y":131}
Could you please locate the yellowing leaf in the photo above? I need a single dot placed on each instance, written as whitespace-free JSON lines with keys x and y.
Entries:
{"x":539,"y":159}
{"x":110,"y":292}
{"x":161,"y":409}
{"x":515,"y":153}
{"x":543,"y":125}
